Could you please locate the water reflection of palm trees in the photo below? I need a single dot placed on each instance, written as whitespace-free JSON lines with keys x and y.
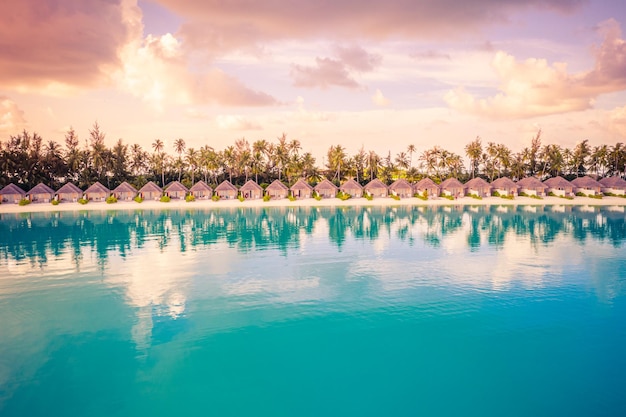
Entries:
{"x":37,"y":236}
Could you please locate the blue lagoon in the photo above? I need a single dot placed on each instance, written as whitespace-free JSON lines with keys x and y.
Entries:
{"x":363,"y":311}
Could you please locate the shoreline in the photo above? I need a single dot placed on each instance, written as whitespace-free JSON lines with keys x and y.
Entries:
{"x":332,"y":202}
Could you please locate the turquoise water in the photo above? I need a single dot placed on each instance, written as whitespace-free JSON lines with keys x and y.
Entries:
{"x":407,"y":311}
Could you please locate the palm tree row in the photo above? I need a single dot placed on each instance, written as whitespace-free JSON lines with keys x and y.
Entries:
{"x":26,"y":159}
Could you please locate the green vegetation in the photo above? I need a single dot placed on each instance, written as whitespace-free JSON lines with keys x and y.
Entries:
{"x":395,"y":197}
{"x":291,"y":197}
{"x":83,"y":201}
{"x":368,"y":196}
{"x":551,"y":194}
{"x":536,"y":197}
{"x":55,"y":202}
{"x":215,"y":198}
{"x":596,"y":196}
{"x":138,"y":199}
{"x":421,"y":196}
{"x":580,"y":194}
{"x":566,"y":197}
{"x":343,"y":196}
{"x":190,"y":198}
{"x":24,"y":202}
{"x":475,"y":196}
{"x":507,"y":196}
{"x":449,"y":197}
{"x":523,"y":194}
{"x":165,"y":199}
{"x":111,"y":199}
{"x":267,"y":197}
{"x":495,"y":194}
{"x":240,"y":198}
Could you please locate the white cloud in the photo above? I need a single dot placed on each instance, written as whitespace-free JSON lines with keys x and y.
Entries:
{"x":236,"y":122}
{"x":11,"y":116}
{"x":379,"y":99}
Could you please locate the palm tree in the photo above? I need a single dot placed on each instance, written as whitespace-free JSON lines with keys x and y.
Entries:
{"x":474,"y":150}
{"x":158,"y":146}
{"x":581,"y":153}
{"x":336,"y":159}
{"x":402,"y":161}
{"x":192,"y":160}
{"x":179,"y":147}
{"x":411,"y":150}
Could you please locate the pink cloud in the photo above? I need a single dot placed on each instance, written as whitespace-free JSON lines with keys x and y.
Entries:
{"x":327,"y":72}
{"x":358,"y":58}
{"x":59,"y":42}
{"x":240,"y":23}
{"x":535,"y":88}
{"x":11,"y":116}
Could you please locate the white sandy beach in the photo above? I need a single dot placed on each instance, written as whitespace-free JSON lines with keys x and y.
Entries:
{"x":331,"y":202}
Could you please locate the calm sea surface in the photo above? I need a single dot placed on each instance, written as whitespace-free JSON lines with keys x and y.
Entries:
{"x":407,"y":311}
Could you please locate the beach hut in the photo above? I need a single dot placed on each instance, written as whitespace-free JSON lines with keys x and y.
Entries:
{"x":277,"y":190}
{"x":505,"y":186}
{"x":97,"y":192}
{"x":226,"y":190}
{"x":587,"y":186}
{"x":301,"y":189}
{"x":426,"y":187}
{"x":452,"y":187}
{"x":12,"y":194}
{"x":559,"y":186}
{"x":251,"y":190}
{"x":175,"y":190}
{"x":613,"y":185}
{"x":376,"y":188}
{"x":477,"y":186}
{"x":201,"y":191}
{"x":69,"y":193}
{"x":40,"y":193}
{"x":326,"y":189}
{"x":402,"y":188}
{"x":532,"y":186}
{"x":352,"y":188}
{"x":151,"y":191}
{"x":125,"y":192}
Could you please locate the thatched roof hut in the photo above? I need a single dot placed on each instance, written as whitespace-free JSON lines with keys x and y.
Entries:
{"x":452,"y":187}
{"x":277,"y":190}
{"x":11,"y":193}
{"x":532,"y":186}
{"x":478,"y":186}
{"x":402,"y":188}
{"x":505,"y":186}
{"x":69,"y":192}
{"x":125,"y":192}
{"x":613,"y":185}
{"x":326,"y":189}
{"x":201,"y":190}
{"x":559,"y":186}
{"x":151,"y":191}
{"x":587,"y":185}
{"x":97,"y":192}
{"x":226,"y":190}
{"x":251,"y":190}
{"x":40,"y":193}
{"x":301,"y":189}
{"x":176,"y":190}
{"x":352,"y":187}
{"x":376,"y":188}
{"x":427,"y":186}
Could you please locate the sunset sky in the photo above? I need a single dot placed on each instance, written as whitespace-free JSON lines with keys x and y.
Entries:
{"x":378,"y":74}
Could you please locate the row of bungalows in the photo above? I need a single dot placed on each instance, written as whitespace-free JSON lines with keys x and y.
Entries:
{"x":451,"y":187}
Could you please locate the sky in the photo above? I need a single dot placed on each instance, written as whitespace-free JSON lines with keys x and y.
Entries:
{"x":360,"y":73}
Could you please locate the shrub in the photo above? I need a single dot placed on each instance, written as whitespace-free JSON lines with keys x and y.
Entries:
{"x":24,"y":202}
{"x":596,"y":196}
{"x":369,"y":197}
{"x":190,"y":198}
{"x":165,"y":199}
{"x":240,"y":198}
{"x":267,"y":197}
{"x":215,"y":198}
{"x":536,"y":197}
{"x":610,"y":195}
{"x":317,"y":197}
{"x":476,"y":196}
{"x":507,"y":196}
{"x":83,"y":201}
{"x":523,"y":194}
{"x":579,"y":194}
{"x":291,"y":198}
{"x":138,"y":199}
{"x":395,"y":197}
{"x":496,"y":194}
{"x":449,"y":197}
{"x":420,"y":196}
{"x":551,"y":194}
{"x":55,"y":202}
{"x":111,"y":199}
{"x":567,"y":197}
{"x":343,"y":196}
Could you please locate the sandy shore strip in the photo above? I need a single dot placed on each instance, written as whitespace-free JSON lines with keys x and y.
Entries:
{"x":330,"y":202}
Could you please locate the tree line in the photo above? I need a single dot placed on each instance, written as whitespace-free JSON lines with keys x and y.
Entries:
{"x":26,"y":160}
